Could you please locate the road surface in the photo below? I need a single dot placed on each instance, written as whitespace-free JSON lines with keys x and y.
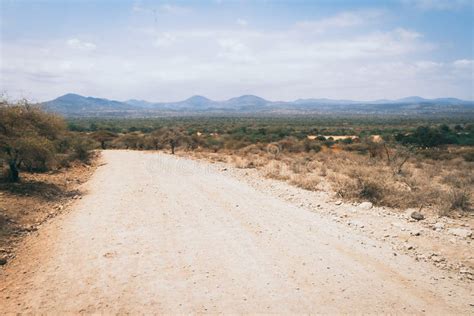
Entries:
{"x":159,"y":234}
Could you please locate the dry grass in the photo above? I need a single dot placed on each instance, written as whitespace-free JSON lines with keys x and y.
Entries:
{"x":404,"y":181}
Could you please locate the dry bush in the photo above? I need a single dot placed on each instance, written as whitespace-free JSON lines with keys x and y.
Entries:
{"x":460,"y":200}
{"x":298,"y":166}
{"x":309,"y":181}
{"x":250,"y":149}
{"x":292,"y":145}
{"x":323,"y":171}
{"x":242,"y":162}
{"x":277,"y":170}
{"x":33,"y":140}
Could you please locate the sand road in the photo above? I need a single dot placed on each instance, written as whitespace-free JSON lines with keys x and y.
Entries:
{"x":160,"y":234}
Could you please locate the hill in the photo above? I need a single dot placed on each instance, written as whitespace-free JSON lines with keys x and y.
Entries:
{"x":77,"y":105}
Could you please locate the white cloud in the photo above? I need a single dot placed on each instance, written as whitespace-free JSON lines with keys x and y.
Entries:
{"x":242,"y":22}
{"x":428,"y":65}
{"x":165,"y":39}
{"x":174,"y":9}
{"x":464,"y":63}
{"x":286,"y":63}
{"x":78,"y":44}
{"x":405,"y":34}
{"x":341,"y":21}
{"x":234,"y":50}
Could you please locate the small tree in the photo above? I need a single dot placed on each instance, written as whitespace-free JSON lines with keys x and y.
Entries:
{"x":172,"y":137}
{"x":154,"y":139}
{"x":103,"y":137}
{"x":81,"y":148}
{"x":130,"y":141}
{"x":27,"y":135}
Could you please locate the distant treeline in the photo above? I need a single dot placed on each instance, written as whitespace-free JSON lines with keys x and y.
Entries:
{"x":413,"y":132}
{"x":426,"y":136}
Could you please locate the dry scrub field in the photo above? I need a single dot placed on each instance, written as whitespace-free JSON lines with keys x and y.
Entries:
{"x":442,"y":187}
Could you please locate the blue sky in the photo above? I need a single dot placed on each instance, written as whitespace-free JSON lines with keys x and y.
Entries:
{"x":280,"y":50}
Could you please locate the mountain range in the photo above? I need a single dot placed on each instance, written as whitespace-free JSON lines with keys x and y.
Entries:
{"x":77,"y":105}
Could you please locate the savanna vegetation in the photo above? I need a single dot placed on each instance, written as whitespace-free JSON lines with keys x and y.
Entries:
{"x":35,"y":141}
{"x":390,"y":161}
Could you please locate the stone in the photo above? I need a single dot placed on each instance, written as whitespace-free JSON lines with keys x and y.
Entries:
{"x":3,"y":261}
{"x":438,"y":226}
{"x":355,"y":224}
{"x":437,"y":259}
{"x":365,"y":205}
{"x":464,"y":271}
{"x":420,"y":257}
{"x":417,"y":216}
{"x":461,"y":232}
{"x":338,"y":202}
{"x":467,"y":273}
{"x":415,"y":232}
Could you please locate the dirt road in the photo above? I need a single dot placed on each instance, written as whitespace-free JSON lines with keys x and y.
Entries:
{"x":156,"y":233}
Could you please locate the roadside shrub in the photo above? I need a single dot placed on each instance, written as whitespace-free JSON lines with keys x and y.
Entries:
{"x":370,"y":190}
{"x":251,"y":149}
{"x":104,"y":137}
{"x":82,"y":148}
{"x":459,"y":200}
{"x":214,"y":144}
{"x":27,"y":137}
{"x":34,"y":140}
{"x":129,"y":141}
{"x":308,"y":181}
{"x":37,"y":154}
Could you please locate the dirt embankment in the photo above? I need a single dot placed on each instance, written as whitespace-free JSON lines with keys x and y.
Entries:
{"x":158,"y":233}
{"x":24,"y":206}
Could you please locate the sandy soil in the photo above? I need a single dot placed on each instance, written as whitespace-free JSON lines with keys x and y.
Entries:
{"x":162,"y":234}
{"x":37,"y":198}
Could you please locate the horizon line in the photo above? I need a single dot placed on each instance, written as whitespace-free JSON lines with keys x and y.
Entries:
{"x":254,"y":95}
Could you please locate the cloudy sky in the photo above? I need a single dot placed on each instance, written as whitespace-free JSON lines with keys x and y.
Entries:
{"x":280,"y":50}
